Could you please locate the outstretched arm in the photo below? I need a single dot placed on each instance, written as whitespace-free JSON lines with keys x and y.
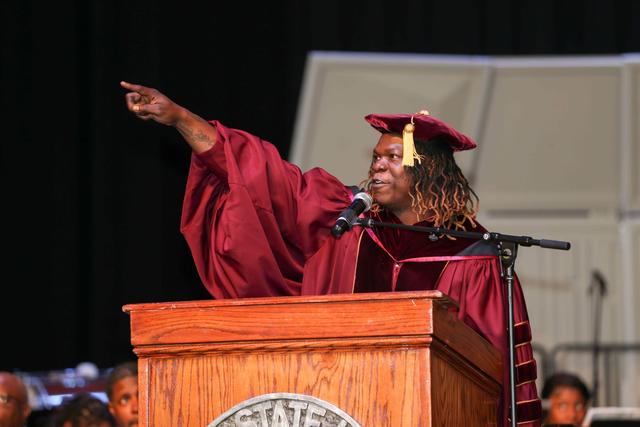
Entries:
{"x":148,"y":103}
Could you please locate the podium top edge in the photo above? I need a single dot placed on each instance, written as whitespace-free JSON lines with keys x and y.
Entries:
{"x":316,"y":299}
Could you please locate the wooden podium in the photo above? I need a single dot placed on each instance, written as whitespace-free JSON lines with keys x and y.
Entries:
{"x":379,"y":359}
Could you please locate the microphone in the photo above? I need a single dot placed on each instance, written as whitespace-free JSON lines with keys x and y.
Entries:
{"x":361,"y":203}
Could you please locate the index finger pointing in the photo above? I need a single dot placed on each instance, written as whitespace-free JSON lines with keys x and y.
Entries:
{"x":142,"y":90}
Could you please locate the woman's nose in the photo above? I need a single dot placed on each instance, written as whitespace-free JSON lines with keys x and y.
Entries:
{"x":378,"y":165}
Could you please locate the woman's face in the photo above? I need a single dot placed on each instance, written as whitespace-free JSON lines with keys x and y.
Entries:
{"x":389,"y":183}
{"x":566,"y":406}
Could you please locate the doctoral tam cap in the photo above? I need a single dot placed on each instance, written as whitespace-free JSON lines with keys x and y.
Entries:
{"x":420,"y":126}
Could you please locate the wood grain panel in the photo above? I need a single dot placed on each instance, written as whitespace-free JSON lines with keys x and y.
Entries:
{"x":453,"y":333}
{"x":296,"y":345}
{"x":457,"y":401}
{"x":375,"y":387}
{"x":144,"y":379}
{"x":369,"y":355}
{"x":283,"y":318}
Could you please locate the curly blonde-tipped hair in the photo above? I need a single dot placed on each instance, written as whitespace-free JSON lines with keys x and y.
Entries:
{"x":440,"y":192}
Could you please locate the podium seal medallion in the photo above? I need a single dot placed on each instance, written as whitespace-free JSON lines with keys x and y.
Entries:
{"x":284,"y":409}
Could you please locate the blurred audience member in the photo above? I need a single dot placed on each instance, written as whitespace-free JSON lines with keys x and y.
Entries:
{"x":14,"y":402}
{"x":566,"y":397}
{"x":122,"y":391}
{"x":82,"y":410}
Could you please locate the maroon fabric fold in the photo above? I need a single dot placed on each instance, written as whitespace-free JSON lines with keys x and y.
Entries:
{"x":252,"y":220}
{"x":528,"y":371}
{"x":529,"y":412}
{"x":397,"y":252}
{"x":522,"y":333}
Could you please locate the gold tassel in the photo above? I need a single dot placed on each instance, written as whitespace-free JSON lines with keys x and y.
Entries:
{"x":408,"y":147}
{"x":409,"y":153}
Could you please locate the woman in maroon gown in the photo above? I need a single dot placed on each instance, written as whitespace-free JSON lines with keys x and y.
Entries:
{"x":257,"y":226}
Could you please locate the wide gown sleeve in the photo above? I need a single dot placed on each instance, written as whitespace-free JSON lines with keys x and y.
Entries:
{"x":252,"y":220}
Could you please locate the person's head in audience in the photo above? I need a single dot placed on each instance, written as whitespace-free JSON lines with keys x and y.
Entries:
{"x":14,"y":401}
{"x":567,"y":397}
{"x":122,"y":391}
{"x":82,"y":410}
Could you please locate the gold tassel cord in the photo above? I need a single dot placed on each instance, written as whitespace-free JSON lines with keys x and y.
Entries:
{"x":408,"y":146}
{"x":409,"y":153}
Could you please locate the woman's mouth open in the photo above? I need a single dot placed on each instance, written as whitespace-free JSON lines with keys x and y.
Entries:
{"x":377,"y":183}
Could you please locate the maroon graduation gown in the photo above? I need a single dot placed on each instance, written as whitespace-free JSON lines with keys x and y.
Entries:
{"x":257,"y":226}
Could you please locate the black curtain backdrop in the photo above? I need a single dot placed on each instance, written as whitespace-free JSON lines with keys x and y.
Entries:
{"x":91,"y":196}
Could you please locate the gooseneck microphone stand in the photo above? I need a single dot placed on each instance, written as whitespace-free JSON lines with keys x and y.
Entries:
{"x":507,"y":250}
